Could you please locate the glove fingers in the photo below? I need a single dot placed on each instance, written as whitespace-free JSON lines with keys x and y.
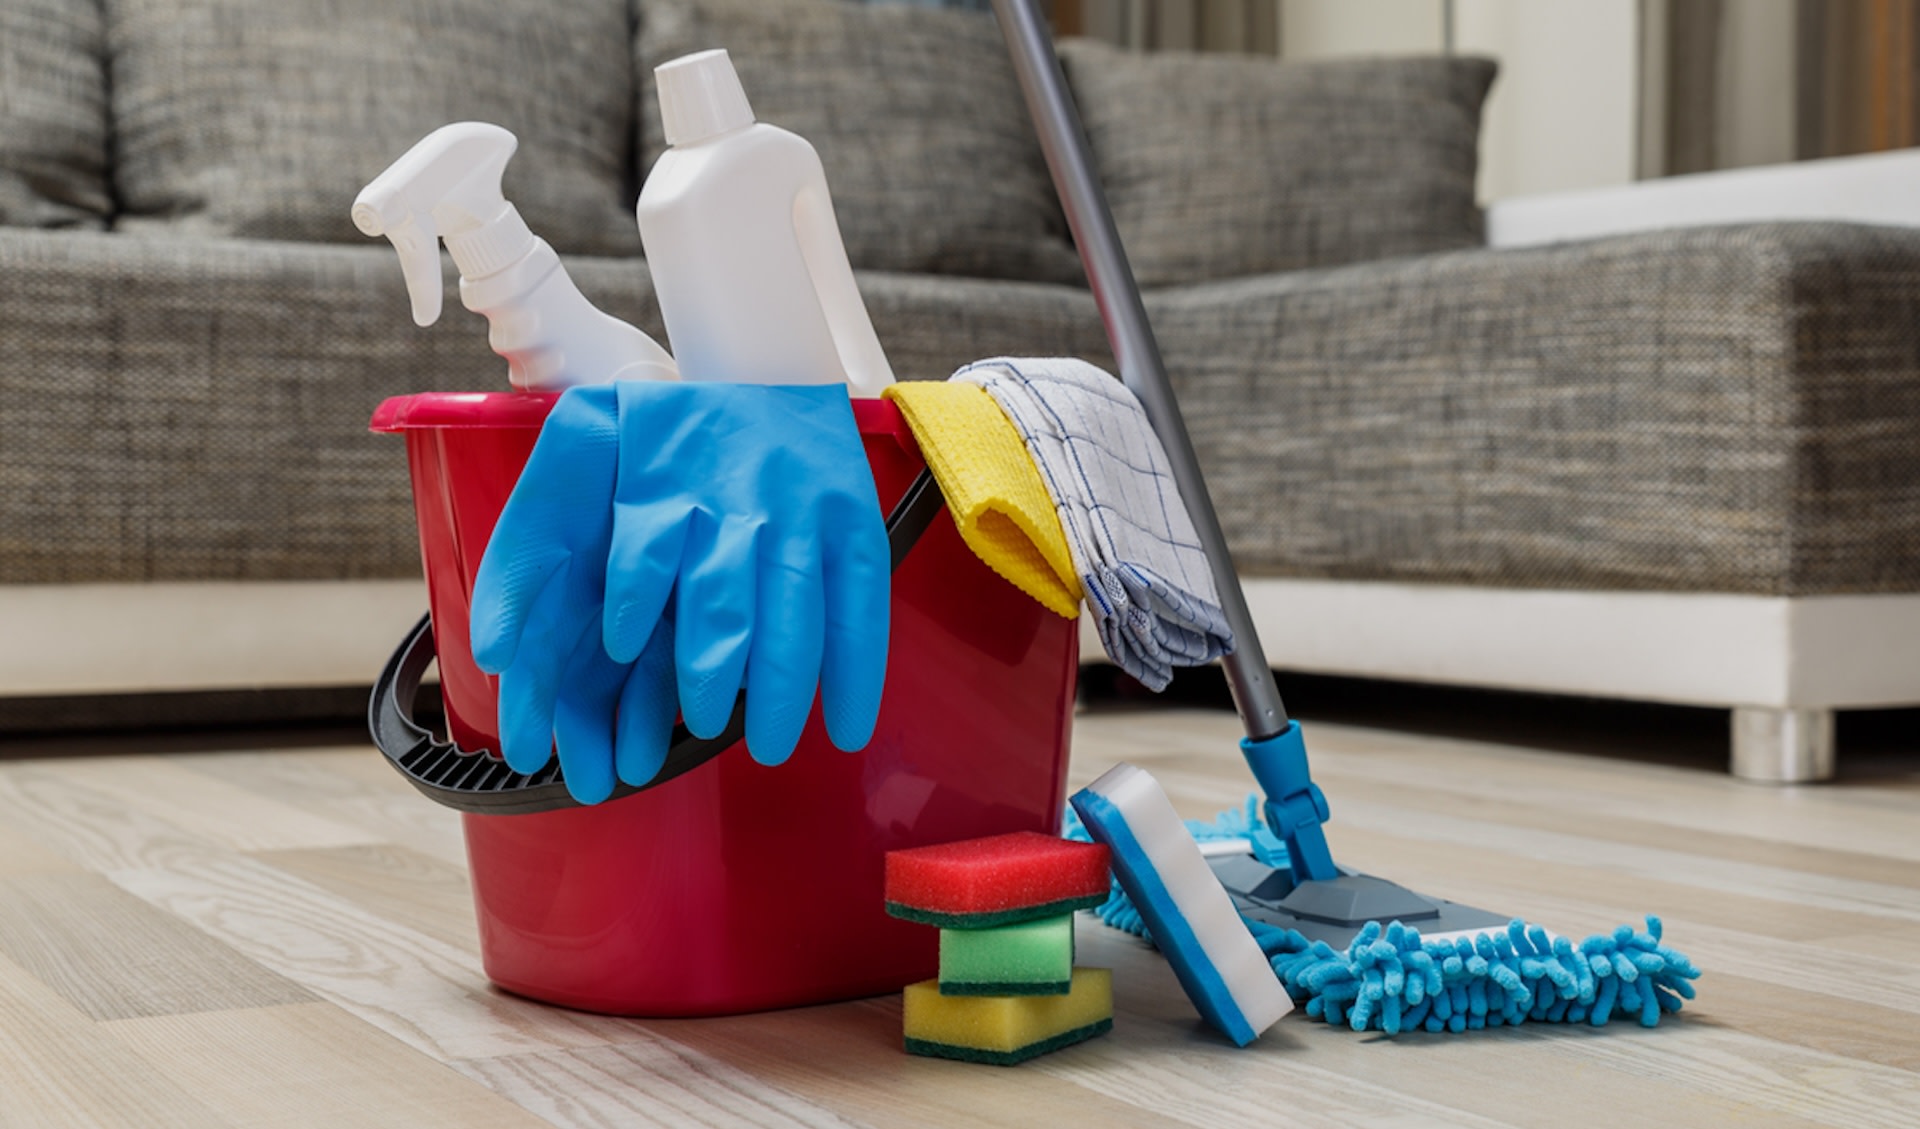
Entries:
{"x":526,"y":721}
{"x":858,"y":597}
{"x":783,"y":666}
{"x":505,"y":590}
{"x":583,"y":718}
{"x":648,"y":705}
{"x":713,"y":621}
{"x":648,"y":544}
{"x":530,"y":686}
{"x":560,"y":506}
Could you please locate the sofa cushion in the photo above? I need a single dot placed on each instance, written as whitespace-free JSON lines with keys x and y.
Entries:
{"x":932,"y":325}
{"x":1220,"y":166}
{"x":932,"y":162}
{"x":53,"y":114}
{"x":1718,"y":409}
{"x":211,"y":421}
{"x":264,"y":118}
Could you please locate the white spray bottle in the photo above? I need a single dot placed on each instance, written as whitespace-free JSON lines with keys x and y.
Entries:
{"x":747,"y":262}
{"x":448,"y":187}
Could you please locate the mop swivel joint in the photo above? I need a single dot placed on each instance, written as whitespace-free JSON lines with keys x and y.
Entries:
{"x":1295,"y":807}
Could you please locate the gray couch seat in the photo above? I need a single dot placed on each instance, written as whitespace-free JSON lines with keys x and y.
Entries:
{"x":196,"y":409}
{"x":1730,"y":409}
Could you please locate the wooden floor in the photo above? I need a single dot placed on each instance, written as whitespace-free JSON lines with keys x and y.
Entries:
{"x":283,"y":938}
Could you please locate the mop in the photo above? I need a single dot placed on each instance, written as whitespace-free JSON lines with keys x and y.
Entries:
{"x":1354,"y":949}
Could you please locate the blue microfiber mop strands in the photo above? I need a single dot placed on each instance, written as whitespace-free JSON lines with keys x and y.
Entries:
{"x":1392,"y":980}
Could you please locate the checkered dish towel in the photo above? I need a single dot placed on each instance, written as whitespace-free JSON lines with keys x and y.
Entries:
{"x":1147,"y":580}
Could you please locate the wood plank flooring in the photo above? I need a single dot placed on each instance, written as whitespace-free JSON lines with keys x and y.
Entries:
{"x":283,"y":938}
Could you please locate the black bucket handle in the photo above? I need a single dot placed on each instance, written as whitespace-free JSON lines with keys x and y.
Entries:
{"x":478,"y":782}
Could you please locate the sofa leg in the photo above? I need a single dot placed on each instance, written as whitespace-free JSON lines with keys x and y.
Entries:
{"x":1776,"y":746}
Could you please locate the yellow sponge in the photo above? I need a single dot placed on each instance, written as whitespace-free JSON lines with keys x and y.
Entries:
{"x":995,"y":494}
{"x":1007,"y":1029}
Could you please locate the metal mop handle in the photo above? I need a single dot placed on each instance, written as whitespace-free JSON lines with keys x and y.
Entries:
{"x":1065,"y":145}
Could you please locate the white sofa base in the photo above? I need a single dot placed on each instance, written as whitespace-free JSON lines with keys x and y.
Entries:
{"x":153,"y":638}
{"x":1782,"y":665}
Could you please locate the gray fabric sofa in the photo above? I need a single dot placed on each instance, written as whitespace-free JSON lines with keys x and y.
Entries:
{"x":194,"y":336}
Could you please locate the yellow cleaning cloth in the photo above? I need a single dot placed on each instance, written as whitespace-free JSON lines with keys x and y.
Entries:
{"x":995,"y":494}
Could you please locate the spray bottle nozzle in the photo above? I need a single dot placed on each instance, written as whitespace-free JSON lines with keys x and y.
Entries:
{"x":446,"y":186}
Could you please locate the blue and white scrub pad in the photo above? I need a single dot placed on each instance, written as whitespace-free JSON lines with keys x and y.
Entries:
{"x":1188,"y":912}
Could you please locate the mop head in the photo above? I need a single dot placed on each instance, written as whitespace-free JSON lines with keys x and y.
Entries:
{"x":1392,"y":980}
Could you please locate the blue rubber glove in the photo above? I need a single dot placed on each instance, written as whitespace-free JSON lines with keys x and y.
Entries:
{"x":792,"y":528}
{"x":752,"y":507}
{"x":536,"y":615}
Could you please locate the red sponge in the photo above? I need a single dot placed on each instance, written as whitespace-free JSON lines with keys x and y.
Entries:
{"x":1001,"y":880}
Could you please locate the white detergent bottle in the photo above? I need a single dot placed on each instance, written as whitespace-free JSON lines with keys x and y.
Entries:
{"x":448,"y":187}
{"x":747,"y":262}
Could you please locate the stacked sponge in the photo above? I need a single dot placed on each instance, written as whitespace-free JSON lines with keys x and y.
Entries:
{"x":1007,"y":989}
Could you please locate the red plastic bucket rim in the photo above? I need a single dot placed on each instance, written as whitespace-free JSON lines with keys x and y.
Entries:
{"x":422,"y":410}
{"x":462,"y":409}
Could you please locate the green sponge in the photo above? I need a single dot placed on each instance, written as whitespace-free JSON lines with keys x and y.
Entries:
{"x":1032,"y":958}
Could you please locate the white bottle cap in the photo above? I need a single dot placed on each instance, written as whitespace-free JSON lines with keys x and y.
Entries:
{"x":490,"y":247}
{"x":701,"y":97}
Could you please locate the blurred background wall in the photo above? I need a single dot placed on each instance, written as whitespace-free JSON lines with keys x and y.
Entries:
{"x":1595,"y":92}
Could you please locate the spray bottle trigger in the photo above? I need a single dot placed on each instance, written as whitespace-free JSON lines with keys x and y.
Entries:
{"x":420,"y":266}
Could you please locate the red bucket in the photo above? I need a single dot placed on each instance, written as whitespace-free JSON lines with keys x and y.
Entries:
{"x":740,"y":887}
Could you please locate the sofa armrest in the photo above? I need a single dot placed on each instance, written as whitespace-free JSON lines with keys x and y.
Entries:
{"x":1878,"y":188}
{"x":1727,"y":409}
